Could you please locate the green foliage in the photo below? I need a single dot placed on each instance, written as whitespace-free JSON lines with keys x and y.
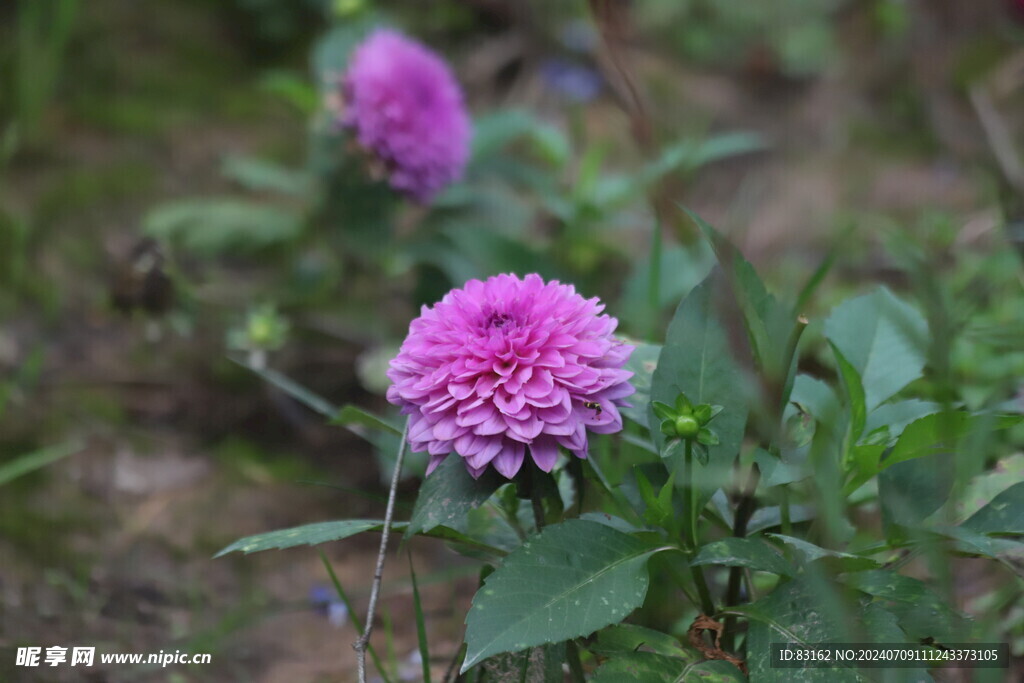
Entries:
{"x":30,"y":462}
{"x":569,"y":581}
{"x":883,"y":339}
{"x":448,"y":495}
{"x":42,"y":34}
{"x":752,"y":553}
{"x":215,"y":226}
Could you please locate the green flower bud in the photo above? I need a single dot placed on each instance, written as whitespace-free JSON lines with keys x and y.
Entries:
{"x":687,"y":426}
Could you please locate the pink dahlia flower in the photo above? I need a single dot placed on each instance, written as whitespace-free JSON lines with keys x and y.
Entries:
{"x":406,"y":109}
{"x":506,"y":366}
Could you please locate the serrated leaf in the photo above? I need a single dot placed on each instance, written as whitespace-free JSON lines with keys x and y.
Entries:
{"x":570,"y":580}
{"x":448,"y":494}
{"x":883,"y":338}
{"x":753,"y":553}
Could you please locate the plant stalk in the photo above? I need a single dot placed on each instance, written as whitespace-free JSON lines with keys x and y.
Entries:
{"x":707,"y":605}
{"x":364,"y":640}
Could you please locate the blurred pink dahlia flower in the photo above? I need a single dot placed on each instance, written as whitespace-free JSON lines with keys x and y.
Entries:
{"x":508,"y":365}
{"x":406,"y":109}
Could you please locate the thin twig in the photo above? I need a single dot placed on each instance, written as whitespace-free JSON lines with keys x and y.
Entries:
{"x":364,"y":640}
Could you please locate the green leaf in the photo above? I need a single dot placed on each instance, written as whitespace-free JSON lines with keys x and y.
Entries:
{"x":216,"y":225}
{"x":753,"y":553}
{"x":258,"y":175}
{"x":797,"y":611}
{"x":912,"y":490}
{"x":331,"y":53}
{"x":883,"y":338}
{"x":353,"y":615}
{"x":778,"y":471}
{"x":353,"y":416}
{"x":938,"y":432}
{"x":627,"y":638}
{"x":1003,"y":515}
{"x":855,"y":400}
{"x":770,"y":324}
{"x":663,"y":411}
{"x":707,"y":437}
{"x":713,"y":671}
{"x":816,"y":398}
{"x":640,"y":666}
{"x":309,"y":534}
{"x":695,"y":361}
{"x":292,"y":388}
{"x":896,"y":416}
{"x":540,"y":664}
{"x":30,"y":462}
{"x":921,"y":613}
{"x":421,"y":628}
{"x":568,"y":581}
{"x":771,"y":516}
{"x":448,"y":494}
{"x":641,"y":363}
{"x":843,"y":562}
{"x":1008,"y":552}
{"x":324,"y":532}
{"x":984,"y":487}
{"x":655,"y":668}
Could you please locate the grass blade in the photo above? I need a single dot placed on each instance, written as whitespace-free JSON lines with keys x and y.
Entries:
{"x":421,"y":629}
{"x":352,"y":615}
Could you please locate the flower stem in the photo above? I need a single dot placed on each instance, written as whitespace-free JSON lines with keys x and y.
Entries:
{"x":364,"y":640}
{"x":572,"y":653}
{"x":692,"y":514}
{"x":787,"y":524}
{"x":537,"y":498}
{"x":707,"y":605}
{"x":744,"y":511}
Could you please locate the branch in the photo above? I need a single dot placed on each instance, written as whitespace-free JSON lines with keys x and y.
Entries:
{"x":364,"y":640}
